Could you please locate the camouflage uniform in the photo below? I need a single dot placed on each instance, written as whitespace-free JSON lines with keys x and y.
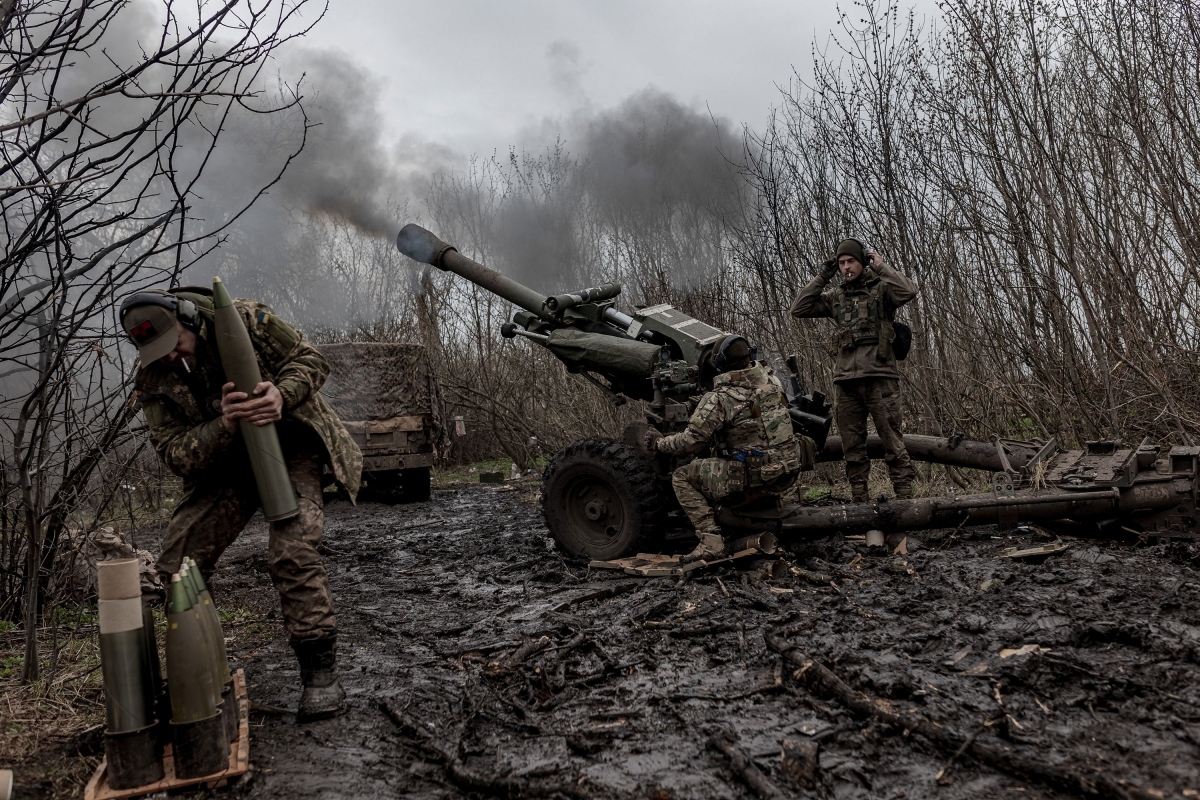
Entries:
{"x":745,"y":420}
{"x":865,"y":371}
{"x":183,"y":412}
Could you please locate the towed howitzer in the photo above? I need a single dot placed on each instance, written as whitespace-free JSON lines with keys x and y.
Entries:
{"x":658,"y":353}
{"x":603,"y":498}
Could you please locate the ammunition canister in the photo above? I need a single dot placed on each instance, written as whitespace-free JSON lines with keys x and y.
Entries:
{"x":122,"y":647}
{"x":131,"y":745}
{"x":275,"y":490}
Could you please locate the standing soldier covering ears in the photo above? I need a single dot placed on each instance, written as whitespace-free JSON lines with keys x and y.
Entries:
{"x":193,"y":413}
{"x":863,"y":306}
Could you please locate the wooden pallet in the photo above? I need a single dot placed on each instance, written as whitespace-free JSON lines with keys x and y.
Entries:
{"x":239,"y":761}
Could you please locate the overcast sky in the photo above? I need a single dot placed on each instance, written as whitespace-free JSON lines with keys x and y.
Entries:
{"x":473,"y":74}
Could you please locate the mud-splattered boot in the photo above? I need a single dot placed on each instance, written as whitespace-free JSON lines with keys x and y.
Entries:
{"x":323,"y":696}
{"x":711,"y":546}
{"x":904,"y":491}
{"x":858,"y":493}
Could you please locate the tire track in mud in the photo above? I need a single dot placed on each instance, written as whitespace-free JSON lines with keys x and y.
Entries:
{"x":479,"y":662}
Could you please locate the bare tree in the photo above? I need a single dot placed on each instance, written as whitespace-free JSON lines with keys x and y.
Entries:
{"x":111,"y":114}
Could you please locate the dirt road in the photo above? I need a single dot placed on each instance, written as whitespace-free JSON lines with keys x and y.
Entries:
{"x":478,"y":662}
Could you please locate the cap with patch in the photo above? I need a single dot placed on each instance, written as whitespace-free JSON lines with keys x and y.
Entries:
{"x":152,"y":328}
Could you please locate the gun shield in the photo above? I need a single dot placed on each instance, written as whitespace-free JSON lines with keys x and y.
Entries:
{"x":275,"y":490}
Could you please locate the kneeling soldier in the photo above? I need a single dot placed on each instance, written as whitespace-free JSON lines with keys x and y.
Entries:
{"x":193,"y":414}
{"x":745,"y":421}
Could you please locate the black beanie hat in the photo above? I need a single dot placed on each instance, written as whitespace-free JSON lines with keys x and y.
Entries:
{"x":852,"y":247}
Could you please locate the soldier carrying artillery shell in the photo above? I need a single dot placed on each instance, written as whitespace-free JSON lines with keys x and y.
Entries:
{"x":864,"y":342}
{"x":199,"y":427}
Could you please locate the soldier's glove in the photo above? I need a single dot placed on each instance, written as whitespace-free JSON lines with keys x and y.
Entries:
{"x":651,"y":440}
{"x":830,"y":267}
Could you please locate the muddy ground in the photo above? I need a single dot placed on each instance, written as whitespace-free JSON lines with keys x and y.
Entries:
{"x":637,"y":675}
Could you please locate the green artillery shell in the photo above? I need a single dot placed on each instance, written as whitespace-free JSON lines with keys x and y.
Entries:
{"x":212,"y":626}
{"x":189,"y":671}
{"x":275,"y":489}
{"x":122,"y":647}
{"x":223,"y":675}
{"x":210,"y":646}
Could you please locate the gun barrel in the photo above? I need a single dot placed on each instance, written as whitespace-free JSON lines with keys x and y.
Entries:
{"x":421,"y":245}
{"x":562,"y":302}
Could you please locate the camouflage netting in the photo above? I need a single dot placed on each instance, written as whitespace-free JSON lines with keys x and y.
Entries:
{"x":381,"y":380}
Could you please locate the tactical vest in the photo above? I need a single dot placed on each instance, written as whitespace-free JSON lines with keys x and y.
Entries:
{"x":860,"y":320}
{"x":760,"y":433}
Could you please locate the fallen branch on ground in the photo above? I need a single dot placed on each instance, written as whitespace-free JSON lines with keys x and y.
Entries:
{"x":463,"y":776}
{"x":1002,"y":757}
{"x":743,"y":765}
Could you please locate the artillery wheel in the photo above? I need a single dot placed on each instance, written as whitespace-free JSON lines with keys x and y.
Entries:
{"x":601,"y":499}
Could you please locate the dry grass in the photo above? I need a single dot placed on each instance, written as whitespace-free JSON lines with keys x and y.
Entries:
{"x":48,"y":726}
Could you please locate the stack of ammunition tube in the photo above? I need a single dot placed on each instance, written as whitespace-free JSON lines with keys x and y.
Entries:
{"x":200,"y":699}
{"x":129,"y":664}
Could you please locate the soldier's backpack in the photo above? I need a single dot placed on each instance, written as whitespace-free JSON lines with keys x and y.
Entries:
{"x":903,"y":341}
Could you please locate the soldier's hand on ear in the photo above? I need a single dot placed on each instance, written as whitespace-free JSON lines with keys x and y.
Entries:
{"x":830,"y":267}
{"x":874,"y":260}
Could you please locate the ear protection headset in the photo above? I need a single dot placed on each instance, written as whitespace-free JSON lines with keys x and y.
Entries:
{"x":721,"y":357}
{"x":184,"y":310}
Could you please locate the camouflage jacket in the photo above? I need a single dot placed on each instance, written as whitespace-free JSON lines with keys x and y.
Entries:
{"x":183,"y":411}
{"x":745,"y":418}
{"x":863,"y":310}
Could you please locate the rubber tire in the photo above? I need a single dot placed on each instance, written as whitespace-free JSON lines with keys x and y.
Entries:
{"x":415,"y":485}
{"x":630,"y":500}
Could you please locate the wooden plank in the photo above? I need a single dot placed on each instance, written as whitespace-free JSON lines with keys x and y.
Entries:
{"x":239,"y":760}
{"x":373,"y":426}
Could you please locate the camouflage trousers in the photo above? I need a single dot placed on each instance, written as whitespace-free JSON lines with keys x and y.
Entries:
{"x":701,"y":483}
{"x":215,"y":512}
{"x":878,"y":398}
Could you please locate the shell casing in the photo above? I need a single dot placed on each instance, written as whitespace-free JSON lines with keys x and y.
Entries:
{"x":275,"y":490}
{"x":124,"y":665}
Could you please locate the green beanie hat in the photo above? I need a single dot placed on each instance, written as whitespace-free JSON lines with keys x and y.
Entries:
{"x":852,"y":247}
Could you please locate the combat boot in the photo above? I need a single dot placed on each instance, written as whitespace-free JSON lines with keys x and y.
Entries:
{"x":904,"y":491}
{"x":323,"y":696}
{"x":858,"y":493}
{"x":711,"y":546}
